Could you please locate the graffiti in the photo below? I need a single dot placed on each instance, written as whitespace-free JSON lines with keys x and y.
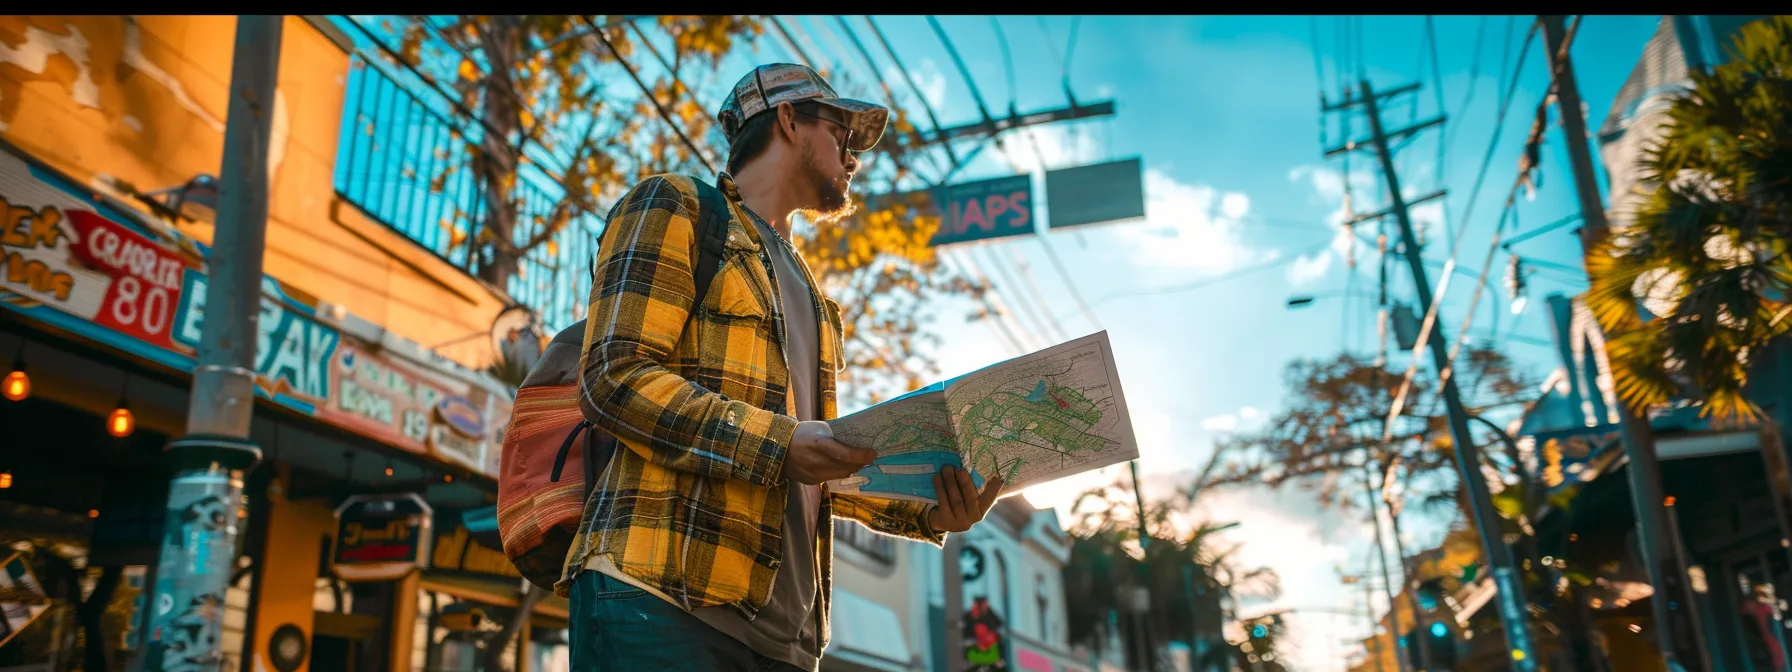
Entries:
{"x":203,"y":517}
{"x":983,"y":640}
{"x":191,"y":638}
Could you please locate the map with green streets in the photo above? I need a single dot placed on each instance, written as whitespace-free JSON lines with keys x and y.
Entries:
{"x":1032,"y":419}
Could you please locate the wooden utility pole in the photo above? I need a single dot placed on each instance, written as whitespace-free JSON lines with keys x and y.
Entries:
{"x":1510,"y":587}
{"x":1679,"y":635}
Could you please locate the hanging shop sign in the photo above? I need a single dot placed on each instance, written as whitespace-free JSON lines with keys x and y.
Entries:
{"x":81,"y":263}
{"x":457,"y":549}
{"x":381,"y":537}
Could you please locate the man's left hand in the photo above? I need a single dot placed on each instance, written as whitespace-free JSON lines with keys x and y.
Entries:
{"x":961,"y":505}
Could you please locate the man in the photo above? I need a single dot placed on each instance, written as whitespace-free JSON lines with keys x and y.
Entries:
{"x":707,"y":543}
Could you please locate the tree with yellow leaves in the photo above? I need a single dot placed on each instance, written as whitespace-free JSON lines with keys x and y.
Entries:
{"x":565,"y":95}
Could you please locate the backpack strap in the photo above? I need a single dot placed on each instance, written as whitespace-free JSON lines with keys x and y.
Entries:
{"x":712,"y":232}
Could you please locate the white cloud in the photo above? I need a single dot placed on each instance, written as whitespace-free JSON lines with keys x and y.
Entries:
{"x":1310,"y":268}
{"x":928,"y":78}
{"x":1227,"y":422}
{"x":1235,"y":205}
{"x":1220,"y":423}
{"x":1191,"y":226}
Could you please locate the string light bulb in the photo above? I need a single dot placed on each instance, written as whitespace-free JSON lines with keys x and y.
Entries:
{"x":120,"y":423}
{"x":17,"y":384}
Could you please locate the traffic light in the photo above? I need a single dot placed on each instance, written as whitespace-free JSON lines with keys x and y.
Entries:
{"x":1440,"y":642}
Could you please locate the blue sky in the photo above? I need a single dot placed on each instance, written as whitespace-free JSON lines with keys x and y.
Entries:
{"x":1224,"y":113}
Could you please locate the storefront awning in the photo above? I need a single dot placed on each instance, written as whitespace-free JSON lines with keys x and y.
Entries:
{"x":867,"y":633}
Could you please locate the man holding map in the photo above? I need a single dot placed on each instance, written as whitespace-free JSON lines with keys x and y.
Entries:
{"x":706,"y":542}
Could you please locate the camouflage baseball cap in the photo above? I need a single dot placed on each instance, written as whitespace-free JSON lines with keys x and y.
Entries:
{"x":767,"y":86}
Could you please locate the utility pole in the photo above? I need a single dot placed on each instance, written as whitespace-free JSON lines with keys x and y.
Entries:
{"x":1677,"y":633}
{"x":200,"y":527}
{"x":1139,"y":619}
{"x":1510,"y":593}
{"x":1387,"y":581}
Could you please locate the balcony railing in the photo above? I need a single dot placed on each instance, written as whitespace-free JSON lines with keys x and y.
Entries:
{"x":405,"y":163}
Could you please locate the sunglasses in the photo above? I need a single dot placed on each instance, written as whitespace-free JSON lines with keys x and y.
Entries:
{"x":829,"y":114}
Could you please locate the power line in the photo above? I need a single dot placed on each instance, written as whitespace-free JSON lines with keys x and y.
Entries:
{"x":1007,"y":60}
{"x":1025,"y":273}
{"x":779,"y":24}
{"x":885,"y":85}
{"x":1531,"y":143}
{"x":952,"y":51}
{"x":925,"y":105}
{"x":1207,"y":282}
{"x":1026,"y":302}
{"x":1474,"y":75}
{"x":647,"y":91}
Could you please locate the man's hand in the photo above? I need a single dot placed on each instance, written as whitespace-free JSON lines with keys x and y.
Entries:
{"x":961,"y":506}
{"x":815,"y":456}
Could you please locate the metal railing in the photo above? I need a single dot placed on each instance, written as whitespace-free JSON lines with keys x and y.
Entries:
{"x":406,"y":164}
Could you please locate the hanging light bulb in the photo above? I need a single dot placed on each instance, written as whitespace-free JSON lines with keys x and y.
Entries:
{"x":121,"y":423}
{"x":17,"y":385}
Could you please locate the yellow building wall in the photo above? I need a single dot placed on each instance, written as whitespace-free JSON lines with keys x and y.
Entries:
{"x":142,"y":101}
{"x":294,"y":531}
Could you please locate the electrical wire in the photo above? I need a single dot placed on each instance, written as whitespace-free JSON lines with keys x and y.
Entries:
{"x":926,"y":106}
{"x":645,"y":90}
{"x":1208,"y":282}
{"x":800,"y":53}
{"x":1007,"y":59}
{"x":1474,"y":76}
{"x":1026,"y":302}
{"x":958,"y":61}
{"x":994,"y":305}
{"x":888,"y":94}
{"x":1446,"y":367}
{"x":1027,"y":274}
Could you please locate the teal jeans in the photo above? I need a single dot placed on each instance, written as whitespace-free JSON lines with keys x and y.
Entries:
{"x":616,"y":626}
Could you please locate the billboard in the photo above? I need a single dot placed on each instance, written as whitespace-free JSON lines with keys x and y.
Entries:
{"x":1104,"y":192}
{"x":985,"y":210}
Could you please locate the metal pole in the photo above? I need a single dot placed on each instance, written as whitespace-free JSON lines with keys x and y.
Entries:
{"x":954,"y":573}
{"x":1141,"y":619}
{"x":1387,"y":581}
{"x":1410,"y":589}
{"x":200,"y":528}
{"x":1665,"y":573}
{"x":1468,"y":463}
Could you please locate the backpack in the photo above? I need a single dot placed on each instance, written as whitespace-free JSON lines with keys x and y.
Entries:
{"x":552,"y":456}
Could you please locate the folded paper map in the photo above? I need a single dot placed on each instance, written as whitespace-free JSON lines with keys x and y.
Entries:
{"x":1032,"y":419}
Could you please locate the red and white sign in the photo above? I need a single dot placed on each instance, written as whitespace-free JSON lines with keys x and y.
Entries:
{"x":146,"y":277}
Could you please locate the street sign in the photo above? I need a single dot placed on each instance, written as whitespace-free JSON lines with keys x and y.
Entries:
{"x":1104,"y":192}
{"x":381,"y":537}
{"x":986,"y":210}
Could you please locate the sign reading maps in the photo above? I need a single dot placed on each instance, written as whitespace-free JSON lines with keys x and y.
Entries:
{"x":1031,"y":419}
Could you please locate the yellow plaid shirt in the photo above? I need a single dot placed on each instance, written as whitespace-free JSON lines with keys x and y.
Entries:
{"x":698,"y":392}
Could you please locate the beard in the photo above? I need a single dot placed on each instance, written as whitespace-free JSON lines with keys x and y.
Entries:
{"x":832,"y":202}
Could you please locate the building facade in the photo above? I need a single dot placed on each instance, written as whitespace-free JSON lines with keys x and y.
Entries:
{"x":373,"y":339}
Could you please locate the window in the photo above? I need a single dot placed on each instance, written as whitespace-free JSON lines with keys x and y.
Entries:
{"x":879,"y":547}
{"x":403,"y":160}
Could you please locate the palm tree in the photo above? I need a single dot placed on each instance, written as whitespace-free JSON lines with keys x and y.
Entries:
{"x":1708,"y":253}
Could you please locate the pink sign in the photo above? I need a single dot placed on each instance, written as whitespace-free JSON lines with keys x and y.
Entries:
{"x":1032,"y":660}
